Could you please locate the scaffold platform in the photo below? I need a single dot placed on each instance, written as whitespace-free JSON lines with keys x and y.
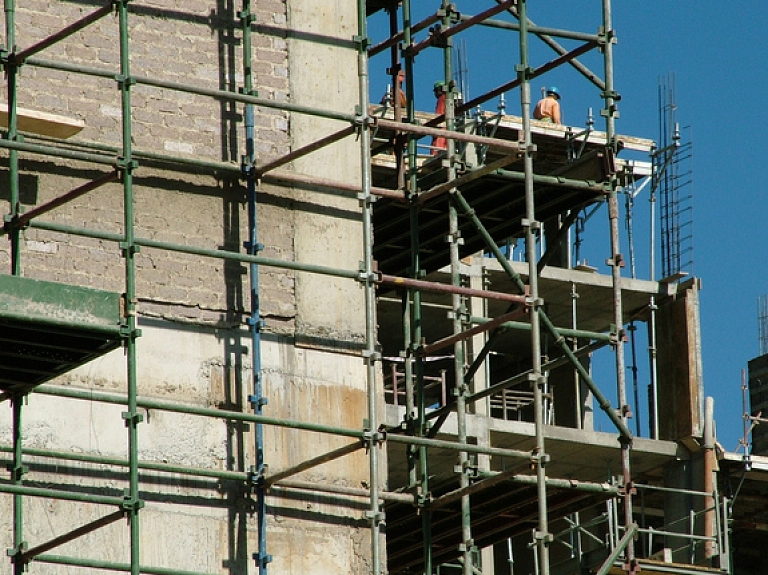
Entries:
{"x":570,"y":168}
{"x":47,"y":329}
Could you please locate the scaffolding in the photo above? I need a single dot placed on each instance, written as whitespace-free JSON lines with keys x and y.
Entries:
{"x":418,"y":216}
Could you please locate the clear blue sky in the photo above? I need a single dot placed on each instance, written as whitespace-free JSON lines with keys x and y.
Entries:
{"x":716,"y":53}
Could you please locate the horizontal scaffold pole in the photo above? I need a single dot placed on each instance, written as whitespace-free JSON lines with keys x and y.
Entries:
{"x":168,"y":406}
{"x":59,"y":494}
{"x":469,"y":448}
{"x":537,"y":30}
{"x":466,"y":178}
{"x":58,"y":152}
{"x":330,"y":185}
{"x":556,"y":181}
{"x":342,"y":490}
{"x":19,"y":57}
{"x":481,"y":328}
{"x":145,"y":403}
{"x":424,"y":285}
{"x":113,"y":152}
{"x":197,"y":251}
{"x":439,"y":35}
{"x":110,"y":157}
{"x":112,"y":566}
{"x":459,"y":136}
{"x":564,"y":331}
{"x":242,"y":476}
{"x":223,"y":95}
{"x":494,"y":478}
{"x":389,"y":42}
{"x":117,"y":462}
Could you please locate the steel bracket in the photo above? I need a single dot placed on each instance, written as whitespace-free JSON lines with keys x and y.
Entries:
{"x":246,"y":17}
{"x":15,"y":552}
{"x":533,"y":224}
{"x":362,"y":42}
{"x":132,"y":418}
{"x":262,"y":560}
{"x":130,"y":504}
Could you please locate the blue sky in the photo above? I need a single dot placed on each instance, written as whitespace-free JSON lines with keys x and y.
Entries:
{"x":716,"y":54}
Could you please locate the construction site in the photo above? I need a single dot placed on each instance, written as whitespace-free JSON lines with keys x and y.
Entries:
{"x":256,"y":318}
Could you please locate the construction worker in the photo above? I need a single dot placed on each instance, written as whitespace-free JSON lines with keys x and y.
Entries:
{"x":548,"y":108}
{"x":389,"y":100}
{"x":439,"y":142}
{"x":399,"y":88}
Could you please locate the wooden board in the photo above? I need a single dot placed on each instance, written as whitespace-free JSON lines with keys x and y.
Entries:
{"x":42,"y":123}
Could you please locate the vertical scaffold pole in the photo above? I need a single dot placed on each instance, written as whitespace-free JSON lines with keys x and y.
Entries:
{"x":17,"y":468}
{"x":416,"y":323}
{"x":457,"y":304}
{"x":253,"y":247}
{"x":537,"y":379}
{"x":11,"y":72}
{"x":17,"y":474}
{"x":132,"y":503}
{"x":371,"y":356}
{"x":616,"y":262}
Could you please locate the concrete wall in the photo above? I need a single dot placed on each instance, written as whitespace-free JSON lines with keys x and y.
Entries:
{"x":681,"y":385}
{"x":195,"y":346}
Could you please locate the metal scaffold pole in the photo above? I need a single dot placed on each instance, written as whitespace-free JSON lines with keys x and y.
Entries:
{"x":11,"y":72}
{"x":253,"y":247}
{"x":616,"y":261}
{"x":418,"y":455}
{"x":457,"y":301}
{"x":536,"y":378}
{"x":132,"y":417}
{"x":371,"y":356}
{"x":17,"y":468}
{"x":17,"y":473}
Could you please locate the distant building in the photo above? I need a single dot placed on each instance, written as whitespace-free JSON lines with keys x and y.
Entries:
{"x":758,"y":401}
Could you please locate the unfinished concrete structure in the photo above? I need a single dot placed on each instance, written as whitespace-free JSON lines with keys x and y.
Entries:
{"x":229,"y":273}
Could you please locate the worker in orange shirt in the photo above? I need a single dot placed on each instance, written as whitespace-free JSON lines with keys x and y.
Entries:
{"x":548,"y":108}
{"x":439,"y":142}
{"x":389,"y":99}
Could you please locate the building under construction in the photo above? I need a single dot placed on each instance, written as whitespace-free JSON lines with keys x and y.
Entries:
{"x":253,"y":318}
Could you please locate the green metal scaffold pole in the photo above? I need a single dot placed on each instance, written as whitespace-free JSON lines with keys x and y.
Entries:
{"x":129,"y":248}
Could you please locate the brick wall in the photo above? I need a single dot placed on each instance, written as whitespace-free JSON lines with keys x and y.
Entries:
{"x":191,"y":42}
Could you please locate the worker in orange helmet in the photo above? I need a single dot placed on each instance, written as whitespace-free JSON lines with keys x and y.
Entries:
{"x":548,"y":108}
{"x":439,"y":142}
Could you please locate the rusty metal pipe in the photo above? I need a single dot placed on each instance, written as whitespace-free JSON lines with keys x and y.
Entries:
{"x":401,"y":282}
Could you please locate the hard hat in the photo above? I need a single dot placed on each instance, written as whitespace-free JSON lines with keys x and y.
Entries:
{"x":439,"y":85}
{"x":554,"y":92}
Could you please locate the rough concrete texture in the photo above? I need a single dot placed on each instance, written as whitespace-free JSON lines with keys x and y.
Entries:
{"x":195,"y":347}
{"x":328,"y":226}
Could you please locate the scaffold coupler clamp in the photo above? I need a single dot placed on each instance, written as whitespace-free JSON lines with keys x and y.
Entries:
{"x":627,"y":488}
{"x":373,"y":438}
{"x":262,"y":559}
{"x":364,"y":120}
{"x":540,"y":537}
{"x":16,"y":553}
{"x":258,"y":475}
{"x":538,"y":458}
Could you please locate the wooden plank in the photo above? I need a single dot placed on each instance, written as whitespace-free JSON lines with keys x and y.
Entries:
{"x":42,"y":123}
